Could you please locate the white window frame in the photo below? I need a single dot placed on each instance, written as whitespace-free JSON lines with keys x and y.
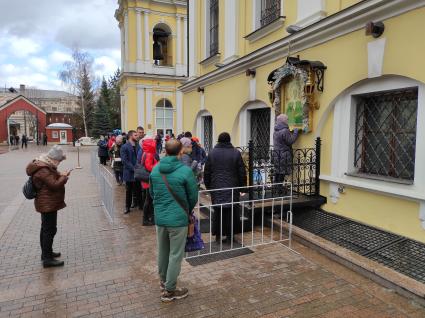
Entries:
{"x":164,"y":127}
{"x":245,"y":121}
{"x":259,"y":32}
{"x":343,"y":140}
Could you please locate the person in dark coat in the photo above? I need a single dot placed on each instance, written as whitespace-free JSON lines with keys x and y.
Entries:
{"x":45,"y":140}
{"x":102,"y":150}
{"x":24,"y":141}
{"x":224,"y":168}
{"x":282,"y":148}
{"x":115,"y":153}
{"x":50,"y":185}
{"x":198,"y":153}
{"x":129,"y":159}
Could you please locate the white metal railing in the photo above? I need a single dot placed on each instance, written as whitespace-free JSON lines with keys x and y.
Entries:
{"x":106,"y":189}
{"x":251,"y":203}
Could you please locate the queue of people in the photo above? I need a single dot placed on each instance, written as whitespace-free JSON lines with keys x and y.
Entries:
{"x":167,"y":191}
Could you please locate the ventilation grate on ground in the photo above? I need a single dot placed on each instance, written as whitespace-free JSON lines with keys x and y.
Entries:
{"x":357,"y":237}
{"x":406,"y":256}
{"x":316,"y":221}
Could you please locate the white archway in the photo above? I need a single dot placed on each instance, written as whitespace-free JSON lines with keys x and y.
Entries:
{"x":243,"y":120}
{"x":204,"y":127}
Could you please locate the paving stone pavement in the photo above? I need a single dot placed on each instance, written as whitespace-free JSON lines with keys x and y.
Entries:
{"x":113,"y":273}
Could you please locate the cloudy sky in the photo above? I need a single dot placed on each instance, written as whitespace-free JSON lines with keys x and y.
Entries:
{"x":37,"y":37}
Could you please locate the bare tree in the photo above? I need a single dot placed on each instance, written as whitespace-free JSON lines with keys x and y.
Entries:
{"x":77,"y":76}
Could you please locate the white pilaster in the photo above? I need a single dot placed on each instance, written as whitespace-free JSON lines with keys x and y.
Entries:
{"x":147,"y":38}
{"x":202,"y":101}
{"x":140,"y":106}
{"x":185,"y":45}
{"x":126,"y":36}
{"x":139,"y":35}
{"x":206,"y":29}
{"x":252,"y":88}
{"x":179,"y":42}
{"x":179,"y":97}
{"x":149,"y":118}
{"x":231,"y":26}
{"x":123,"y":128}
{"x":125,"y":110}
{"x":192,"y":37}
{"x":310,"y":11}
{"x":375,"y":57}
{"x":122,"y":46}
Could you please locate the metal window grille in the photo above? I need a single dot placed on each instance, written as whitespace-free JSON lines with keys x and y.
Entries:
{"x":385,"y":135}
{"x":213,"y":27}
{"x":260,"y":126}
{"x":270,"y":11}
{"x":208,"y":132}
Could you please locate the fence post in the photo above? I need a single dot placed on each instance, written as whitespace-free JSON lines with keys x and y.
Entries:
{"x":318,"y":151}
{"x":251,"y":168}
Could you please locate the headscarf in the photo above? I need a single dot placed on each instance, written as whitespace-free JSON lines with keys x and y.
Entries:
{"x":282,"y":118}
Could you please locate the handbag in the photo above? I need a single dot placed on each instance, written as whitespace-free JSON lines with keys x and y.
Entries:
{"x":140,"y":172}
{"x":194,"y":243}
{"x":29,"y":190}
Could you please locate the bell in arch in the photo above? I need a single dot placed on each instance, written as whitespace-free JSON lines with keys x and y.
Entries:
{"x":157,"y":51}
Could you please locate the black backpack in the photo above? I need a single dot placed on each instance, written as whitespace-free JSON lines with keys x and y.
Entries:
{"x":29,"y":189}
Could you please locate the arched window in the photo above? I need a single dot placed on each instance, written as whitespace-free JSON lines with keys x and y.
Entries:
{"x":162,"y":52}
{"x":164,"y":117}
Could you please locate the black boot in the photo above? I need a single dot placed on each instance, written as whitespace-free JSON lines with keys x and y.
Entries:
{"x":52,"y":263}
{"x":127,"y":210}
{"x":54,"y":255}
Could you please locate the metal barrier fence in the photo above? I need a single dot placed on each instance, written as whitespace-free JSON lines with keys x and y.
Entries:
{"x":265,"y":164}
{"x":103,"y":175}
{"x":243,"y":219}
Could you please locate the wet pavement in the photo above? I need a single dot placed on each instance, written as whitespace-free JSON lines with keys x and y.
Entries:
{"x":112,"y":273}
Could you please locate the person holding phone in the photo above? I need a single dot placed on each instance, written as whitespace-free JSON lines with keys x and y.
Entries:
{"x":50,"y":187}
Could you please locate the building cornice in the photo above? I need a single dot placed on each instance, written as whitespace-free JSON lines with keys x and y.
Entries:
{"x":153,"y":76}
{"x":346,"y":21}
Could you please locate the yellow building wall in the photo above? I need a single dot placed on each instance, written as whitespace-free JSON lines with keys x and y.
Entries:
{"x":158,"y":13}
{"x":245,"y":27}
{"x":347,"y":62}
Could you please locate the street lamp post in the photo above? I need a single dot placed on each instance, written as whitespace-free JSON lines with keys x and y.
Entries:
{"x":78,"y":145}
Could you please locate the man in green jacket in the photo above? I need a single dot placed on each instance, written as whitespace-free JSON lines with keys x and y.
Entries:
{"x":171,"y":219}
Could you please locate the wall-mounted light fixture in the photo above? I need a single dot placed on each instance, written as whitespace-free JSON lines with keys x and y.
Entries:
{"x":375,"y":29}
{"x":318,"y":68}
{"x":251,"y":72}
{"x":201,"y":90}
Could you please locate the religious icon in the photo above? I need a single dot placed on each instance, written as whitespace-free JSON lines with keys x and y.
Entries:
{"x":293,"y":102}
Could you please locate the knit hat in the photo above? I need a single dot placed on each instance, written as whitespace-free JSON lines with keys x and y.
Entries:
{"x":282,"y":118}
{"x":186,"y":142}
{"x":56,"y":153}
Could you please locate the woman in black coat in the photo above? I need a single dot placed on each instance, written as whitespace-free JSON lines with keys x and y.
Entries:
{"x":102,"y":150}
{"x":224,"y":168}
